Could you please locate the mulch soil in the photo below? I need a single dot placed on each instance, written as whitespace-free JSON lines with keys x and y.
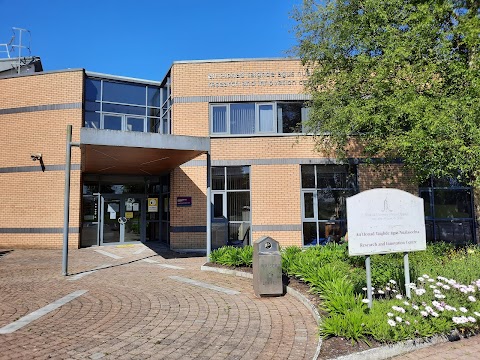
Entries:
{"x":331,"y":347}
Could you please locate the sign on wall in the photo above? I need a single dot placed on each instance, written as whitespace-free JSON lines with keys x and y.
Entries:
{"x":184,"y":201}
{"x":384,"y":221}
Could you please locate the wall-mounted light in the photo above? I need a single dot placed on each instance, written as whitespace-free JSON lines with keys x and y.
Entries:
{"x":38,"y":157}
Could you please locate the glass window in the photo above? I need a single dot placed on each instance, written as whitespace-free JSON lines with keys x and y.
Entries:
{"x":242,"y":118}
{"x":452,"y":204}
{"x":324,"y":212}
{"x":308,"y":209}
{"x":124,"y":93}
{"x":238,"y":178}
{"x":289,"y":117}
{"x":135,"y":124}
{"x":92,"y":120}
{"x":238,"y":205}
{"x":123,"y":109}
{"x":219,"y":119}
{"x":112,"y":122}
{"x":218,"y":206}
{"x":308,"y":176}
{"x":153,"y":97}
{"x":218,"y":178}
{"x":93,"y":89}
{"x":265,"y":118}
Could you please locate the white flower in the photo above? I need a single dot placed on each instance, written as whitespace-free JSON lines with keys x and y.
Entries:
{"x":462,"y":309}
{"x":399,"y":309}
{"x":406,"y":303}
{"x":439,"y":284}
{"x":398,"y":318}
{"x":420,"y":291}
{"x":440,"y":296}
{"x":425,"y":276}
{"x":399,"y":297}
{"x":472,"y":319}
{"x":446,"y":287}
{"x":471,"y":298}
{"x":364,"y":289}
{"x":387,"y":288}
{"x":391,"y":322}
{"x":381,"y":292}
{"x":393,"y":282}
{"x":450,"y":308}
{"x":365,"y":301}
{"x":434,"y":314}
{"x":421,"y":279}
{"x":460,"y":319}
{"x":407,"y":322}
{"x":476,"y":313}
{"x":415,"y":307}
{"x":424,"y":313}
{"x":430,"y":280}
{"x":433,"y":287}
{"x":436,"y":291}
{"x":389,"y":314}
{"x":394,"y":291}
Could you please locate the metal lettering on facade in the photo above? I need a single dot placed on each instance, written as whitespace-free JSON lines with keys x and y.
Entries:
{"x":258,"y":78}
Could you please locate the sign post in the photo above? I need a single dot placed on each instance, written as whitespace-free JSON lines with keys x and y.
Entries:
{"x":382,"y":221}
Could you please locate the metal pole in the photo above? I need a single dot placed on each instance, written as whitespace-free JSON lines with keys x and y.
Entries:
{"x":369,"y":281}
{"x":209,"y":206}
{"x":66,"y":200}
{"x":406,"y":267}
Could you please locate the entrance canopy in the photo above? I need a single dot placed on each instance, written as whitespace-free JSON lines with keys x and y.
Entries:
{"x":128,"y":152}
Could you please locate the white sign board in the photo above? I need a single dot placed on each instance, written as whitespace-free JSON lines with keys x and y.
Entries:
{"x":384,"y":221}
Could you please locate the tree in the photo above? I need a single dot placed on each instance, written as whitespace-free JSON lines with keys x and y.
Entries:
{"x":400,"y":77}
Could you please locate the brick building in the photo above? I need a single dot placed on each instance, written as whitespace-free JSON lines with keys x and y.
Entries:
{"x":140,"y":172}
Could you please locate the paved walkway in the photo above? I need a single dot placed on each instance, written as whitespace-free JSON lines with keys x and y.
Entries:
{"x":141,"y":303}
{"x":465,"y":349}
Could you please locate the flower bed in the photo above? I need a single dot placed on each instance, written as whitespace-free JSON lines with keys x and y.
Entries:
{"x":443,"y":296}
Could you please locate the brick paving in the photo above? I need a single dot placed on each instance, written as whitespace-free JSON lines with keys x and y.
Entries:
{"x":465,"y":349}
{"x":133,"y":310}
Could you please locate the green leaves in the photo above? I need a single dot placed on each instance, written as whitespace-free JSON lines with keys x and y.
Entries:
{"x":401,"y":77}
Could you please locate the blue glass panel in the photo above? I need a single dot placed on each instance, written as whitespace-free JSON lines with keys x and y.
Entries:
{"x":242,"y":118}
{"x":135,"y":124}
{"x":124,"y":93}
{"x":153,"y":112}
{"x":123,"y":109}
{"x":92,"y":89}
{"x":92,"y":120}
{"x":92,"y":106}
{"x":153,"y":98}
{"x":112,"y":122}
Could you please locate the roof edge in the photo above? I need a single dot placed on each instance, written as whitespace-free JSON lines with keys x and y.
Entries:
{"x":236,"y":60}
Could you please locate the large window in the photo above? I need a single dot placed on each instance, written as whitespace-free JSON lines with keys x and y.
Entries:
{"x":324,"y":192}
{"x":257,"y":118}
{"x":231,"y":205}
{"x":449,"y":211}
{"x":117,"y":105}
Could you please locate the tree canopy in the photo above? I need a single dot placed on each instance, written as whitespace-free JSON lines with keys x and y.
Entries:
{"x":401,"y":77}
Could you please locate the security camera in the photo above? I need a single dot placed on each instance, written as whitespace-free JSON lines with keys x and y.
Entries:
{"x":36,"y":157}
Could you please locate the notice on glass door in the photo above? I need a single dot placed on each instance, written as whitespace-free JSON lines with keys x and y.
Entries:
{"x":152,"y":204}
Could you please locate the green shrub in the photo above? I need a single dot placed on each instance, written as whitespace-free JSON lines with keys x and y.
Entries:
{"x":349,"y":325}
{"x":289,"y":255}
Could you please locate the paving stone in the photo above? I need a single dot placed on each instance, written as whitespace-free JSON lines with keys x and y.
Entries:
{"x":133,"y":310}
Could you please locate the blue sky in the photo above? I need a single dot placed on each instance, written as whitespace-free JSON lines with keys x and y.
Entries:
{"x":140,"y":38}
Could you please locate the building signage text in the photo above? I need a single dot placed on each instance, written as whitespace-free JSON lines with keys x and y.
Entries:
{"x":258,"y":78}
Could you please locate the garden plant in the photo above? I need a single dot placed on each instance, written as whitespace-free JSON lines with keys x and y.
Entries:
{"x":445,"y":293}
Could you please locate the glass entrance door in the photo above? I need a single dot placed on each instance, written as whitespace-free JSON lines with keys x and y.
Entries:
{"x":122,"y":219}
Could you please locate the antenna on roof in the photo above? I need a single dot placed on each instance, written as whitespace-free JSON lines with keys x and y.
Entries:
{"x":20,"y":46}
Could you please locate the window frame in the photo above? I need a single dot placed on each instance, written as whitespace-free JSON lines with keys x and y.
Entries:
{"x":276,"y":131}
